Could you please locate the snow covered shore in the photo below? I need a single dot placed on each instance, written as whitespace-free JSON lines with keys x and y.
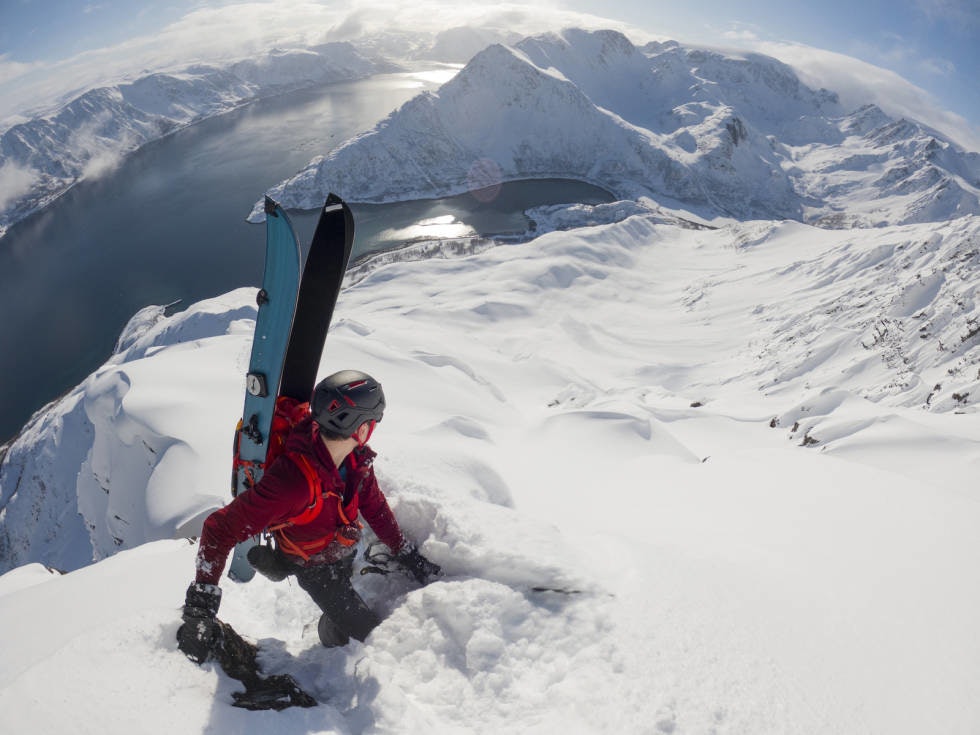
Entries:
{"x":751,"y":448}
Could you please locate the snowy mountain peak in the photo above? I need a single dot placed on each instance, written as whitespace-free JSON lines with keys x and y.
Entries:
{"x":594,"y":49}
{"x":865,"y":119}
{"x":723,"y":135}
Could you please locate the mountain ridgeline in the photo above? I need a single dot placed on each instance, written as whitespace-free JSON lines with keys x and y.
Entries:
{"x":713,"y":133}
{"x":716,"y":133}
{"x":43,"y":157}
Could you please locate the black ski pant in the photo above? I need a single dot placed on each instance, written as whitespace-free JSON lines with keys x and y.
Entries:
{"x":345,"y":614}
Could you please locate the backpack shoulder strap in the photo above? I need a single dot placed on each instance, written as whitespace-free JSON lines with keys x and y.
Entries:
{"x":313,"y":484}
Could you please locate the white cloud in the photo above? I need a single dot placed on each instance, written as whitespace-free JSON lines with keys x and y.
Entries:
{"x":964,"y":14}
{"x":213,"y":34}
{"x":14,"y":183}
{"x":10,"y":70}
{"x":858,"y":82}
{"x":938,"y":67}
{"x":902,"y":54}
{"x":740,"y":33}
{"x":101,"y":154}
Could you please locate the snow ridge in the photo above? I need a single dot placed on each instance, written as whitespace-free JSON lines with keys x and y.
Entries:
{"x":778,"y":537}
{"x":82,"y":481}
{"x":793,"y":494}
{"x":889,"y":315}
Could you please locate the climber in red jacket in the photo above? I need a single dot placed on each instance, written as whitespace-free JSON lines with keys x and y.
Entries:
{"x":309,"y":498}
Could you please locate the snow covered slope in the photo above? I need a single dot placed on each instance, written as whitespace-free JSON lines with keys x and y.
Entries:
{"x":752,"y":448}
{"x":731,"y":136}
{"x":43,"y":157}
{"x":85,"y":477}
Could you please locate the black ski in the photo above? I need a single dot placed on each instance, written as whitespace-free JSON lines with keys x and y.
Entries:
{"x":323,"y":275}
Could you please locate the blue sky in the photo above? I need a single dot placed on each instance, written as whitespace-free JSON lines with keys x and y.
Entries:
{"x":934,"y":44}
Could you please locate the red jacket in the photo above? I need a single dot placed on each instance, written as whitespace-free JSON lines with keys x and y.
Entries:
{"x":284,"y":492}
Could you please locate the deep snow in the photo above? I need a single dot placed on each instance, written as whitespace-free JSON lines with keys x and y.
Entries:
{"x":770,"y":512}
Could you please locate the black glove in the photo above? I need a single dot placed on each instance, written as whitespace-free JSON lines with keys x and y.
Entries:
{"x":417,"y":565}
{"x":201,"y":632}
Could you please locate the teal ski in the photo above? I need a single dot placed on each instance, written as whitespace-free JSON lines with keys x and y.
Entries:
{"x":277,"y":304}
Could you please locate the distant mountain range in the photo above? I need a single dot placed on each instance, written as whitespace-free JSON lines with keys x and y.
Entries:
{"x":719,"y":135}
{"x":44,"y":157}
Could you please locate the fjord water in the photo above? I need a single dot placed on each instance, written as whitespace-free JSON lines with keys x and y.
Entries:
{"x":168,"y":224}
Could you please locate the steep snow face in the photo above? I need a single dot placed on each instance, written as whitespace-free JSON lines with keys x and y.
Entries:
{"x":726,"y":136}
{"x":103,"y":441}
{"x":39,"y":517}
{"x":663,"y":87}
{"x":42,"y":158}
{"x":606,"y":67}
{"x":887,"y":171}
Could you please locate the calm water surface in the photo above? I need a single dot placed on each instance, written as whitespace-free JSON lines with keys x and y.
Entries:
{"x":168,"y":224}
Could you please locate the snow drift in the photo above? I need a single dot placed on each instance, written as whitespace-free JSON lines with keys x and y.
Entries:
{"x":768,"y":512}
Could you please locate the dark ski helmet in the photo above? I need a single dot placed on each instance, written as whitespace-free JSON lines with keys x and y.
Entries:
{"x":343,"y":401}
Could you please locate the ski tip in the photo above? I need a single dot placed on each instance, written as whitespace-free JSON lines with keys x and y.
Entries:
{"x":333,"y":203}
{"x":270,"y":206}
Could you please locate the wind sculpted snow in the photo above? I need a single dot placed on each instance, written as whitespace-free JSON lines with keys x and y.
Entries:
{"x":738,"y":446}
